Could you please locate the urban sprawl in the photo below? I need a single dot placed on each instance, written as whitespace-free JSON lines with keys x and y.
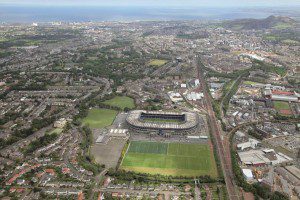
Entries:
{"x":150,"y":110}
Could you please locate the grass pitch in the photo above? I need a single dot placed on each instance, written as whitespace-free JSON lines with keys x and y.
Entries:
{"x":281,"y":105}
{"x":283,"y":108}
{"x":99,"y":118}
{"x":176,"y":159}
{"x":157,"y":62}
{"x":121,"y":102}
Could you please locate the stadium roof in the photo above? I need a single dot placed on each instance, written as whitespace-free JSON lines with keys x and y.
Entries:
{"x":191,"y":120}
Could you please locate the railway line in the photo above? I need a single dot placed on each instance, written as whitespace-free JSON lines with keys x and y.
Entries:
{"x":223,"y":152}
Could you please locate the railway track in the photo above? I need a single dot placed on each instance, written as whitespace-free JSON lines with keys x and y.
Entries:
{"x":223,"y":152}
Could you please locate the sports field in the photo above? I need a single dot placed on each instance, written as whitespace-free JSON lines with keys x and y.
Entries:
{"x":176,"y":159}
{"x":99,"y":118}
{"x":283,"y":108}
{"x":121,"y":102}
{"x":279,"y":105}
{"x":157,"y":62}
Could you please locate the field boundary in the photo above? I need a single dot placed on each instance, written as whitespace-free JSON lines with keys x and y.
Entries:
{"x":125,"y":154}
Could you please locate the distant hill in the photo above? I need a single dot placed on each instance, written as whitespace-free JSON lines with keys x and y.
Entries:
{"x":278,"y":22}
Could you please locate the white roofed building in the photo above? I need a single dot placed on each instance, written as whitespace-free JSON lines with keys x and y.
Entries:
{"x":252,"y":143}
{"x":248,"y":174}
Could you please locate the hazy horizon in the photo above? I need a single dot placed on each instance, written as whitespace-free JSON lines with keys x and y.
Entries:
{"x":155,"y":3}
{"x":14,"y":11}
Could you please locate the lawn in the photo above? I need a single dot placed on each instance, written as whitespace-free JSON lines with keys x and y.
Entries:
{"x":283,"y":108}
{"x":281,"y":105}
{"x":121,"y":102}
{"x":157,"y":62}
{"x":99,"y":118}
{"x":250,"y":83}
{"x":56,"y":130}
{"x":176,"y":159}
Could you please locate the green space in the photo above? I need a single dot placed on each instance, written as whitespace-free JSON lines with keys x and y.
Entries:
{"x":271,"y":37}
{"x":290,"y":42}
{"x":121,"y":102}
{"x":283,"y":26}
{"x":175,"y":159}
{"x":288,"y":37}
{"x":283,"y":108}
{"x":281,"y":105}
{"x":4,"y":54}
{"x":99,"y":118}
{"x":56,"y":130}
{"x":250,"y":83}
{"x":157,"y":62}
{"x":226,"y":87}
{"x":267,"y":67}
{"x":3,"y":39}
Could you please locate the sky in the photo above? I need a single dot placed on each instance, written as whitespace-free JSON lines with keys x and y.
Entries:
{"x":159,"y":3}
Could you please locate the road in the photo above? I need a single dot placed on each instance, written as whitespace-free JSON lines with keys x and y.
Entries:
{"x":98,"y":179}
{"x":167,"y":194}
{"x":224,"y":153}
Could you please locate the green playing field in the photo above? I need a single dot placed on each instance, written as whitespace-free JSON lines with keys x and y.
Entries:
{"x":99,"y":118}
{"x":170,"y":159}
{"x":121,"y":102}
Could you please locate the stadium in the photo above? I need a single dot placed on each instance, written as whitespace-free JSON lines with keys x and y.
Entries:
{"x":162,"y":123}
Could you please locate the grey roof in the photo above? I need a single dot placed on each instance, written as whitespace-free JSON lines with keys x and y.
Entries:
{"x":134,"y":119}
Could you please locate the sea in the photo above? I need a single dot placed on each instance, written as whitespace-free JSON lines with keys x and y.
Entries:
{"x":29,"y":14}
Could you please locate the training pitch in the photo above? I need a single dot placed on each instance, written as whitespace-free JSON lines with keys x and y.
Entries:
{"x":99,"y":118}
{"x":157,"y":62}
{"x":176,"y":159}
{"x":279,"y":105}
{"x":121,"y":102}
{"x":283,"y":108}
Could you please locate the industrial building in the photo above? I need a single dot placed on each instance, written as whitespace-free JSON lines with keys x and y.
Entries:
{"x":263,"y":157}
{"x":277,"y":95}
{"x":247,"y":173}
{"x":252,"y":143}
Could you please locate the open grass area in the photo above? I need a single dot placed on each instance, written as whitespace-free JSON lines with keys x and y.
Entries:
{"x":176,"y":159}
{"x":281,"y":105}
{"x":157,"y":62}
{"x":99,"y":118}
{"x":282,"y":26}
{"x":121,"y":102}
{"x":250,"y":82}
{"x":290,"y":42}
{"x":56,"y":130}
{"x":269,"y":68}
{"x":283,"y":108}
